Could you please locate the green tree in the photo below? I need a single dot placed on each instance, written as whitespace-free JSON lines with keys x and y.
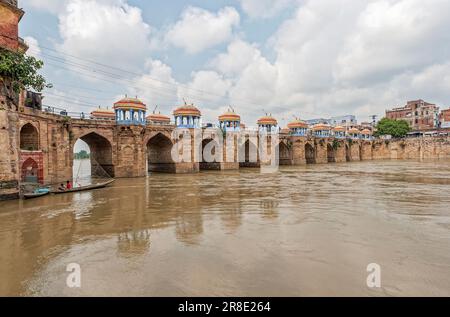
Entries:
{"x":81,"y":155}
{"x":22,"y":70}
{"x":396,"y":128}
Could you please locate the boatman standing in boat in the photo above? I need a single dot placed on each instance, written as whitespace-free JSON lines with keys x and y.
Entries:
{"x":69,"y":185}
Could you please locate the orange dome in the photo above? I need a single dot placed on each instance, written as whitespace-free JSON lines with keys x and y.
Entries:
{"x":103,"y":113}
{"x":366,"y":131}
{"x":339,"y":128}
{"x":187,"y":110}
{"x":130,"y":103}
{"x":353,"y":131}
{"x":229,"y":116}
{"x":267,"y":120}
{"x":321,"y":127}
{"x":297,"y":124}
{"x":157,"y":117}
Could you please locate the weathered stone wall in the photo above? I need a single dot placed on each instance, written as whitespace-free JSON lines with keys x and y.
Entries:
{"x":9,"y":24}
{"x":340,"y":152}
{"x":9,"y":155}
{"x":417,"y":148}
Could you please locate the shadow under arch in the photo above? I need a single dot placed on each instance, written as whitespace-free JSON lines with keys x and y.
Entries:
{"x":101,"y":154}
{"x":284,"y":153}
{"x":251,"y":156}
{"x":331,"y":154}
{"x":208,"y":155}
{"x":159,"y":155}
{"x":348,"y":156}
{"x":29,"y":138}
{"x":310,"y":154}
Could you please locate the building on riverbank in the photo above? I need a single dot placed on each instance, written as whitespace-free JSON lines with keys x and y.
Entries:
{"x":444,"y":119}
{"x":419,"y":114}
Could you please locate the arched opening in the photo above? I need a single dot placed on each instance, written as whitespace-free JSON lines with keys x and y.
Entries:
{"x":159,"y":157}
{"x":209,"y":160}
{"x":310,"y":154}
{"x":348,"y":156}
{"x":81,"y":167}
{"x":29,"y":138}
{"x":331,"y":155}
{"x":31,"y":173}
{"x":250,"y":157}
{"x":92,"y":157}
{"x":285,"y":154}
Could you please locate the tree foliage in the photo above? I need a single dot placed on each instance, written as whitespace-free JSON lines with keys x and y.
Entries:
{"x":396,"y":128}
{"x":82,"y":155}
{"x":22,"y":70}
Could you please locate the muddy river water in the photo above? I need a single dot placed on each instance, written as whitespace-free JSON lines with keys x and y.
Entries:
{"x":303,"y":231}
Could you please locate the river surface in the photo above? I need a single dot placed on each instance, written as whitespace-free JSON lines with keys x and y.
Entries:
{"x":304,"y":231}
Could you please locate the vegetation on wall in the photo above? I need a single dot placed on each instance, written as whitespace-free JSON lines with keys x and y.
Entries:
{"x":336,"y":145}
{"x":396,"y":128}
{"x":22,"y":71}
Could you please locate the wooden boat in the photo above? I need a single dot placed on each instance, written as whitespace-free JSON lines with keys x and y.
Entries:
{"x":35,"y":195}
{"x":83,"y":188}
{"x":38,"y":193}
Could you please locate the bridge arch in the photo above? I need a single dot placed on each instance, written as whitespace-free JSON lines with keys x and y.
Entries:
{"x":331,"y":153}
{"x":101,"y":153}
{"x":29,"y":137}
{"x":285,"y":154}
{"x":30,"y":171}
{"x":210,"y":155}
{"x":249,"y":156}
{"x":348,"y":154}
{"x":310,"y":154}
{"x":159,"y":154}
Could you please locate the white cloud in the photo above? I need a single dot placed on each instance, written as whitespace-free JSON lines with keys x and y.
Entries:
{"x":33,"y":47}
{"x":239,"y":55}
{"x":106,"y":30}
{"x":156,"y":87}
{"x":342,"y":57}
{"x":199,"y":29}
{"x":265,"y":8}
{"x":208,"y":90}
{"x":392,"y":37}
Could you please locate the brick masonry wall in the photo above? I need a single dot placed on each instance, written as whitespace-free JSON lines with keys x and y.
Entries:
{"x":38,"y":158}
{"x":9,"y":20}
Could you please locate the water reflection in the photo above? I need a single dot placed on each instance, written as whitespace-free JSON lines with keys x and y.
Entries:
{"x":133,"y":242}
{"x":308,"y":230}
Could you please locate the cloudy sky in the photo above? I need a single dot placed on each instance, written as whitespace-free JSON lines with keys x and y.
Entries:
{"x":303,"y":58}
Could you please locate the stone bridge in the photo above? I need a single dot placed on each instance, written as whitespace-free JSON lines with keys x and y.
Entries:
{"x":39,"y":147}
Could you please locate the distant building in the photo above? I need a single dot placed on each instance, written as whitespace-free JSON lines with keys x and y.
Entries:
{"x":419,"y":114}
{"x":444,"y":118}
{"x":346,"y":121}
{"x":317,"y":121}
